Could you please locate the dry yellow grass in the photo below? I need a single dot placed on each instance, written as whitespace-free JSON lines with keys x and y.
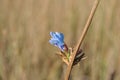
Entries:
{"x":25,"y":53}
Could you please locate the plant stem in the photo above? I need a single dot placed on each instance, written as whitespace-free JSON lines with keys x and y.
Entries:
{"x":87,"y":25}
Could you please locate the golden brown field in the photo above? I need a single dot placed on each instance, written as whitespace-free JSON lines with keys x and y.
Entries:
{"x":25,"y":53}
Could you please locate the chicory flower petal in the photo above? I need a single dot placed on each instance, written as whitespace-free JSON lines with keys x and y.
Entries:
{"x":57,"y":39}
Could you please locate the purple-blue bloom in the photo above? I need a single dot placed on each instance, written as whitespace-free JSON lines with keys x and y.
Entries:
{"x":57,"y":39}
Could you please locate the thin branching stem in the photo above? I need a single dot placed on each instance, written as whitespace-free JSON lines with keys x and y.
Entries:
{"x":87,"y":25}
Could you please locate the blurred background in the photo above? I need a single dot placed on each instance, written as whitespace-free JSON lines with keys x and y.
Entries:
{"x":25,"y":53}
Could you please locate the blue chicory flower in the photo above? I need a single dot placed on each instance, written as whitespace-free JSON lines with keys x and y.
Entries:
{"x":57,"y":39}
